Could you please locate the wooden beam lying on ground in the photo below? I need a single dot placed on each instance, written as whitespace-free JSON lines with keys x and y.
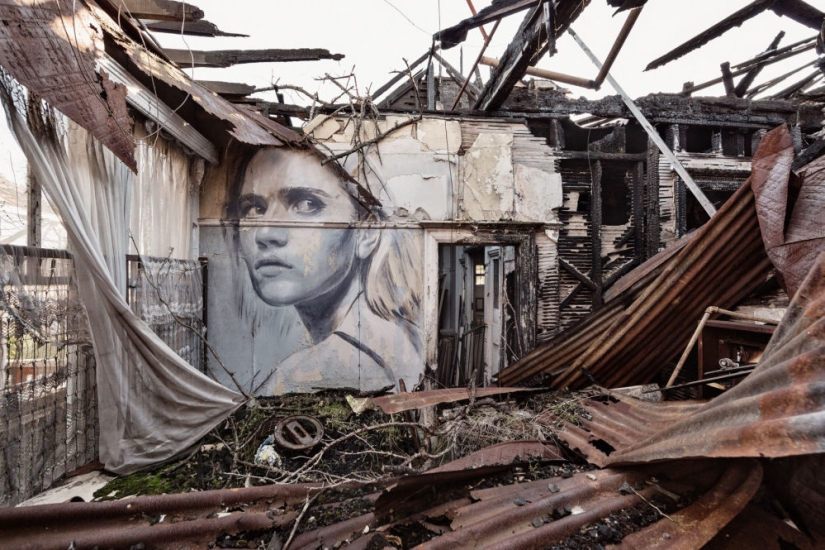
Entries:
{"x":228,"y":58}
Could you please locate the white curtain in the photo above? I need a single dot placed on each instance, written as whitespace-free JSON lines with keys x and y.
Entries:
{"x":152,"y":404}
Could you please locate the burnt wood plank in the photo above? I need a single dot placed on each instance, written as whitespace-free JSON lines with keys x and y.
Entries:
{"x":228,"y":58}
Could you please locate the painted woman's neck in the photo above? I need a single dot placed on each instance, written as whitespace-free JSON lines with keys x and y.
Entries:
{"x":322,"y":315}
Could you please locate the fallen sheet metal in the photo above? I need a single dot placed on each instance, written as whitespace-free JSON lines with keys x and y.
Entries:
{"x":507,"y":452}
{"x":792,"y":229}
{"x":632,"y":337}
{"x":777,"y":411}
{"x":545,"y":511}
{"x":485,"y":507}
{"x":189,"y":520}
{"x":399,"y":402}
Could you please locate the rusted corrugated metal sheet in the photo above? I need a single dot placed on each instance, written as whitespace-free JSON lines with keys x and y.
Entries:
{"x":524,"y":512}
{"x":399,"y":402}
{"x":190,"y":520}
{"x":777,"y":411}
{"x":793,"y":230}
{"x":50,"y":47}
{"x":631,"y":340}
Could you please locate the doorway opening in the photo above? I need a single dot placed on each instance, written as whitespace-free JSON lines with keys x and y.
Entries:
{"x":477,"y":310}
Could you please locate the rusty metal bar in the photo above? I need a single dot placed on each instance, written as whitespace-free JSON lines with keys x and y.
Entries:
{"x":617,"y":45}
{"x":475,"y":65}
{"x":480,"y":27}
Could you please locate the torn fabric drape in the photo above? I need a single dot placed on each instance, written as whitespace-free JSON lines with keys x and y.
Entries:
{"x":152,"y":404}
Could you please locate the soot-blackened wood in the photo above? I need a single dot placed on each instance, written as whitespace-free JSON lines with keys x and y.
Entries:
{"x":527,"y":43}
{"x":228,"y":58}
{"x":191,"y":28}
{"x":747,"y":81}
{"x":717,"y":30}
{"x":639,"y":252}
{"x":160,"y":10}
{"x":801,"y":12}
{"x":499,"y":8}
{"x":596,"y":226}
{"x":652,"y":225}
{"x":727,"y":79}
{"x":673,"y":108}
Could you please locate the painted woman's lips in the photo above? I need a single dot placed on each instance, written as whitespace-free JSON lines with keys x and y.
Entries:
{"x":271,"y":266}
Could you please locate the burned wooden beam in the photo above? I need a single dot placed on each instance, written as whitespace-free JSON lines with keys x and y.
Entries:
{"x":801,"y":12}
{"x":227,"y":88}
{"x":498,"y":9}
{"x":399,"y":75}
{"x":717,"y":30}
{"x":669,"y":108}
{"x":269,"y":108}
{"x":727,"y":79}
{"x":797,"y":86}
{"x":747,"y":80}
{"x":457,"y":76}
{"x":748,"y":67}
{"x":774,"y":81}
{"x":520,"y":54}
{"x":191,"y":28}
{"x":228,"y":58}
{"x":160,"y":10}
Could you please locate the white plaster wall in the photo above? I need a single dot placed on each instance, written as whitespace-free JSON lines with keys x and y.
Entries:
{"x":420,"y":170}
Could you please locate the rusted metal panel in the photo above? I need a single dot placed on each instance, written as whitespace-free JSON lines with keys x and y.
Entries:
{"x":191,"y":518}
{"x":399,"y":402}
{"x":697,"y":524}
{"x":50,"y":48}
{"x":524,"y":514}
{"x":507,"y":452}
{"x":793,"y":231}
{"x":777,"y":411}
{"x":624,"y":344}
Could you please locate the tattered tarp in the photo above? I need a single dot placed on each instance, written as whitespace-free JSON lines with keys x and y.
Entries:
{"x":778,"y":410}
{"x":636,"y":333}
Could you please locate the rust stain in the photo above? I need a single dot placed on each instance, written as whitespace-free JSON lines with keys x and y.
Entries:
{"x":50,"y":48}
{"x":778,"y":410}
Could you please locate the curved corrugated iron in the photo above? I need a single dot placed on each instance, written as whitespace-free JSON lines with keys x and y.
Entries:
{"x":777,"y":411}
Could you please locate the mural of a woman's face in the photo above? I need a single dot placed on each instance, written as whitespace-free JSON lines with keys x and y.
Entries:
{"x":287,"y":265}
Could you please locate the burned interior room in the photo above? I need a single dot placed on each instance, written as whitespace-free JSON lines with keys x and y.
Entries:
{"x":505,"y":291}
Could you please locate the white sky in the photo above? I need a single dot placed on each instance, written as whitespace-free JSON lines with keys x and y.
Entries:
{"x":376,"y":35}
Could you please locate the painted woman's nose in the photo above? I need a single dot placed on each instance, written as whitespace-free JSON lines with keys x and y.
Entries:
{"x":268,"y":236}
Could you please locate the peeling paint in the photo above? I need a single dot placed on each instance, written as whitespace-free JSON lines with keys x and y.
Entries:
{"x":489,"y":192}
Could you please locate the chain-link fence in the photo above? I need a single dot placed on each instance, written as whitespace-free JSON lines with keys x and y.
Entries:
{"x":48,"y":404}
{"x":169,"y":295}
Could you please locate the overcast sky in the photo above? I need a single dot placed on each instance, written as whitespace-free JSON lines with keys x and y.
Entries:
{"x":377,"y":35}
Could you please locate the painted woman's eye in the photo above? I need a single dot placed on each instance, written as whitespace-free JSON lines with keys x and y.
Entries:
{"x":252,"y":206}
{"x":307,"y":206}
{"x":305,"y":201}
{"x":253,"y":212}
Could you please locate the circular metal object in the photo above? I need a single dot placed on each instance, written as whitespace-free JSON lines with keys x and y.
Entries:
{"x":298,"y":433}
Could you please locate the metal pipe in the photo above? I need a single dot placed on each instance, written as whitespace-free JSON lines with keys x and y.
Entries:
{"x":617,"y":45}
{"x":480,"y":27}
{"x":550,"y":75}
